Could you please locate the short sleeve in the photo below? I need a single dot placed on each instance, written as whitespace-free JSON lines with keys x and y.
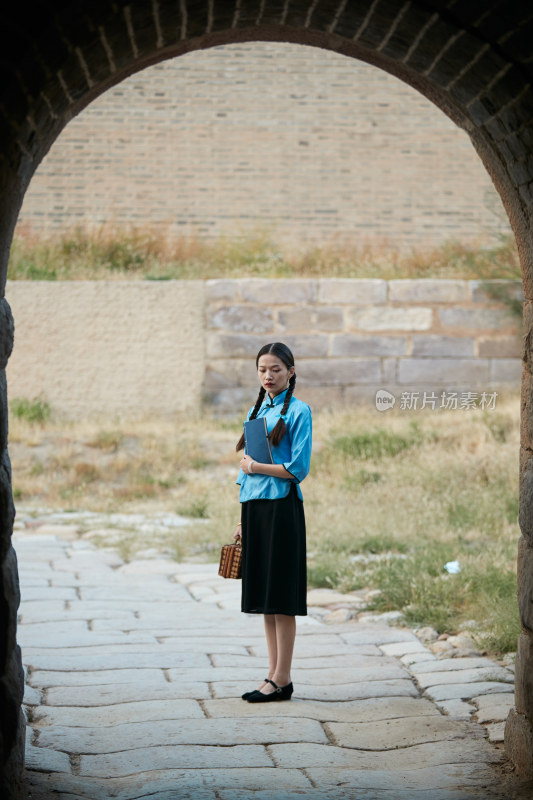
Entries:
{"x":301,"y":435}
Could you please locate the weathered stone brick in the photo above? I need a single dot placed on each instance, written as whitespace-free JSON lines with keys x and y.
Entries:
{"x":237,"y":400}
{"x":427,"y":290}
{"x":339,"y":372}
{"x":457,"y":371}
{"x":391,"y":319}
{"x":267,"y":292}
{"x":242,"y":318}
{"x":352,"y":290}
{"x":389,"y":367}
{"x":362,"y":394}
{"x":7,"y":332}
{"x":525,"y":586}
{"x":480,"y":291}
{"x":519,"y":742}
{"x":505,"y":370}
{"x":526,"y":411}
{"x":353,"y":344}
{"x":320,"y":397}
{"x":311,"y":318}
{"x":233,"y":345}
{"x":500,"y":347}
{"x":222,"y":290}
{"x":226,"y":373}
{"x":436,"y":345}
{"x":524,"y":673}
{"x":477,"y":318}
{"x":310,"y":345}
{"x":525,"y":512}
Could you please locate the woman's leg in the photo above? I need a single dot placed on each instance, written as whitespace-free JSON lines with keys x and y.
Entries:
{"x":280,"y":632}
{"x":272,"y":643}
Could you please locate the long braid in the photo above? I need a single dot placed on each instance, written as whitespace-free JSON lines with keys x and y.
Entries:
{"x":253,"y":415}
{"x":258,"y":402}
{"x":279,"y":430}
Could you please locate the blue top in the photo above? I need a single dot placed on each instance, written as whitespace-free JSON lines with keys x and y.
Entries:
{"x":294,"y":451}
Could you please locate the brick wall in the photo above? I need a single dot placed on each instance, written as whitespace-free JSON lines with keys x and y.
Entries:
{"x":304,"y":142}
{"x":134,"y":348}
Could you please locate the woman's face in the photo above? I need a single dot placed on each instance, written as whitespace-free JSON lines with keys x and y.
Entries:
{"x":273,"y":374}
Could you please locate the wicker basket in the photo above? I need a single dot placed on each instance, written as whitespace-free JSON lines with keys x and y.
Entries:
{"x":230,"y":561}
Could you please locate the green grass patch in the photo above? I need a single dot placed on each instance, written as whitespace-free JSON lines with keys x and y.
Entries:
{"x":375,"y":444}
{"x":34,"y":411}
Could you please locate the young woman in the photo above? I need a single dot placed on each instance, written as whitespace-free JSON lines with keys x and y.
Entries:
{"x":272,"y":526}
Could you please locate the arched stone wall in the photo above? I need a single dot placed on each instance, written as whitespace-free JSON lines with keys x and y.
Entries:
{"x":471,"y":58}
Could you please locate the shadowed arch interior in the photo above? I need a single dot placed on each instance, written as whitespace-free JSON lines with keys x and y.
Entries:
{"x":471,"y":58}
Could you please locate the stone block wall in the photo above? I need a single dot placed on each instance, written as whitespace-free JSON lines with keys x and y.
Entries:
{"x":352,"y":337}
{"x":143,"y":347}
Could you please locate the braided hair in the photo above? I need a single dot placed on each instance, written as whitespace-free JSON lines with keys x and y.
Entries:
{"x":284,"y":354}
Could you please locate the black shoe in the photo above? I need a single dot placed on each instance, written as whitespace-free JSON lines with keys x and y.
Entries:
{"x":246,"y":695}
{"x":281,"y":693}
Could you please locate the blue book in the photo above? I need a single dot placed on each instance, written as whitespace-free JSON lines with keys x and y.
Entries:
{"x":256,"y":441}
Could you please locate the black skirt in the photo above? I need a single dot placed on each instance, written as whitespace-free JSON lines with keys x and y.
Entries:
{"x":274,"y":574}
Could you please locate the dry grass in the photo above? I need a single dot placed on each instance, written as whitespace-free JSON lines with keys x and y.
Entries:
{"x":142,"y":253}
{"x":414,"y":488}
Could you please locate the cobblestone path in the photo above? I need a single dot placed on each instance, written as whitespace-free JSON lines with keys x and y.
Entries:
{"x":134,"y":674}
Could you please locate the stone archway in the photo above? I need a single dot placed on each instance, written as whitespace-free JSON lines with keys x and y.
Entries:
{"x":472,"y":59}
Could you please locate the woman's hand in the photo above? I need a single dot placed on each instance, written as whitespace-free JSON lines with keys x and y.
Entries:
{"x":245,"y":465}
{"x":238,"y":532}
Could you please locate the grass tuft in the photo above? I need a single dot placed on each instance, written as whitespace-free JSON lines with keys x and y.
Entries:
{"x":139,"y":252}
{"x":33,"y":411}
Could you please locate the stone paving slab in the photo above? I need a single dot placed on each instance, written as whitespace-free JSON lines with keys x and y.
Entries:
{"x":138,"y":677}
{"x":345,"y":661}
{"x":83,"y":637}
{"x":135,"y":711}
{"x":493,"y":707}
{"x":461,"y":691}
{"x":49,"y":593}
{"x":101,"y":695}
{"x":374,"y":634}
{"x":173,"y":780}
{"x":458,"y":709}
{"x":40,"y":759}
{"x":496,"y":732}
{"x":402,"y":648}
{"x":46,"y":678}
{"x":492,"y":673}
{"x":450,"y":776}
{"x":143,"y":647}
{"x":183,"y":756}
{"x":222,"y":732}
{"x":309,"y":755}
{"x":158,"y":658}
{"x":352,"y":711}
{"x":392,"y":734}
{"x":452,"y":664}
